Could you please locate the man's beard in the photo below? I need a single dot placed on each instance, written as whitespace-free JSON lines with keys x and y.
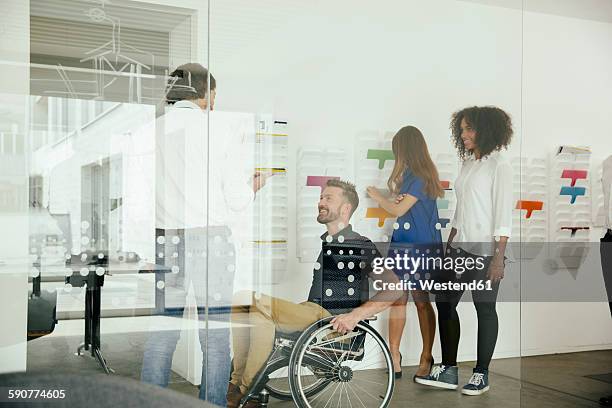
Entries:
{"x":327,"y":217}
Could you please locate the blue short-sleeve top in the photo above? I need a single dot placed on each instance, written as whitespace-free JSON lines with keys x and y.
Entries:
{"x":418,"y":225}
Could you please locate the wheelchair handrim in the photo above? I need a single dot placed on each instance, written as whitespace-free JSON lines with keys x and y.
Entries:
{"x":305,"y":340}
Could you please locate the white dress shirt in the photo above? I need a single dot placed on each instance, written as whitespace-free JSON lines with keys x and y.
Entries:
{"x":484,"y":203}
{"x":203,"y":166}
{"x":606,"y":180}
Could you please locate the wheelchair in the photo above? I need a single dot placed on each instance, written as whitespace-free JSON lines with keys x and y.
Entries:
{"x":320,"y":367}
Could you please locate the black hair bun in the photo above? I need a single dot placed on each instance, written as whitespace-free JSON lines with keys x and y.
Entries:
{"x":179,"y":73}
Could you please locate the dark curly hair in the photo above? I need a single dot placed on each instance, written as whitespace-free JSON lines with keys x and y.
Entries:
{"x":492,"y":125}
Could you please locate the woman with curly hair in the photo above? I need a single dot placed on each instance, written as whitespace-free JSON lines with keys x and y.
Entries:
{"x":480,"y":230}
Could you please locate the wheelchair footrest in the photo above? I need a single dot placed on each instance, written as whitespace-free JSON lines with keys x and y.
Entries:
{"x":263,"y":397}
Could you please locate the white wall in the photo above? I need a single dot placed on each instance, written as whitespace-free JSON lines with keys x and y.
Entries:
{"x":342,"y":68}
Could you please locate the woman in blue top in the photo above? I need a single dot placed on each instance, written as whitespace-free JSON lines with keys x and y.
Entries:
{"x":414,"y":185}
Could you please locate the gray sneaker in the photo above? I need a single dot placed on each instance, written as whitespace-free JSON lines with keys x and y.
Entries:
{"x":478,"y":384}
{"x":441,"y":376}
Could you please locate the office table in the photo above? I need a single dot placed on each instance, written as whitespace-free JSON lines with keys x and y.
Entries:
{"x":92,"y":274}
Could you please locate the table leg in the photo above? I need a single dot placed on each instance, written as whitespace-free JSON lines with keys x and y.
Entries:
{"x":87,"y":338}
{"x":36,"y":284}
{"x":95,"y":329}
{"x":160,"y":294}
{"x":95,"y":318}
{"x":102,"y":361}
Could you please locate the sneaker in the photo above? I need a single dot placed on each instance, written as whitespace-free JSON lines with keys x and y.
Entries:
{"x":441,"y":376}
{"x":478,"y":384}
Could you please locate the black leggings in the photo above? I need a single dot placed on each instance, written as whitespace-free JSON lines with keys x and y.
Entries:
{"x":448,"y":318}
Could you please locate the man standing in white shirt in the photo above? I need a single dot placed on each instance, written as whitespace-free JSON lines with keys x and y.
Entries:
{"x":202,"y":182}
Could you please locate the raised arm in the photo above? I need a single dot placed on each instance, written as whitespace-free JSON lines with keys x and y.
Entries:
{"x":395,"y":208}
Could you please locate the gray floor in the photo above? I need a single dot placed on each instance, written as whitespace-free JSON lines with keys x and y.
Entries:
{"x":546,"y":381}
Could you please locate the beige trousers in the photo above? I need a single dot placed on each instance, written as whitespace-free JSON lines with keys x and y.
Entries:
{"x":254,"y":327}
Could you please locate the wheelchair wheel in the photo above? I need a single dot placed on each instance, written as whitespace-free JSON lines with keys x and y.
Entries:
{"x":357,"y":364}
{"x":278,"y":382}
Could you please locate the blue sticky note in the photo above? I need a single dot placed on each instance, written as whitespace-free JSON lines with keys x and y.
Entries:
{"x":573,"y":192}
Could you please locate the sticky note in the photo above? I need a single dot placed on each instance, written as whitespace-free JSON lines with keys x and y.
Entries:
{"x":529,"y":206}
{"x":574,"y":175}
{"x":573,"y":192}
{"x":381,"y":155}
{"x":379,"y":213}
{"x":319,"y":181}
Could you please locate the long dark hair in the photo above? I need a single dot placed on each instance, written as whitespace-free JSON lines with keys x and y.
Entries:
{"x":411,"y":153}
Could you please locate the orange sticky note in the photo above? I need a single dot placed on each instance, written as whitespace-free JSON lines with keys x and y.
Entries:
{"x":379,"y":213}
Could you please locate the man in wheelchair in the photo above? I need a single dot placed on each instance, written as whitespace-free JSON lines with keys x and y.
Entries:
{"x":319,"y":344}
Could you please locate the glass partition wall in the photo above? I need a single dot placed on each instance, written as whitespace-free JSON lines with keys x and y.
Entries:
{"x":563,"y":291}
{"x":90,"y":140}
{"x":194,"y":189}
